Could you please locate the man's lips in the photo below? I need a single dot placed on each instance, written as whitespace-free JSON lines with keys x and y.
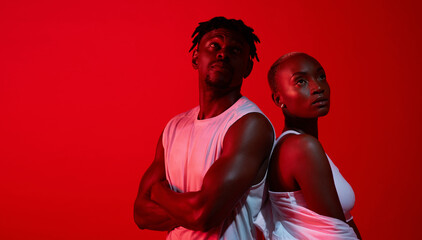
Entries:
{"x":221,"y":65}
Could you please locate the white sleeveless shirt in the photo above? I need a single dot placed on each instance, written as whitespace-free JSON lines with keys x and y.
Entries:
{"x":191,"y":146}
{"x":344,"y":190}
{"x":286,"y":216}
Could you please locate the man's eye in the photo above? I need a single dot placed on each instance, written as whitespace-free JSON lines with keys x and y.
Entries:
{"x":214,"y":45}
{"x":322,"y":77}
{"x":236,"y":50}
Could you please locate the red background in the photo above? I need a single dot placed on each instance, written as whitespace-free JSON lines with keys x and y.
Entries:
{"x":86,"y":87}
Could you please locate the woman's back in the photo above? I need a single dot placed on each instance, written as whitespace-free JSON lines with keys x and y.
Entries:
{"x":292,"y":218}
{"x":309,"y":197}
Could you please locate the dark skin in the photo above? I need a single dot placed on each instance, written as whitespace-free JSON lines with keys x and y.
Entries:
{"x":299,"y":161}
{"x":222,"y":60}
{"x":148,"y":214}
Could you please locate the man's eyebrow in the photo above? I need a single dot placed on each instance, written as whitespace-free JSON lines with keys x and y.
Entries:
{"x":219,"y":36}
{"x":222,"y":37}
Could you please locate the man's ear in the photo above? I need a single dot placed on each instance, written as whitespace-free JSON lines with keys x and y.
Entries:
{"x":276,"y":99}
{"x":248,"y":68}
{"x":195,"y":59}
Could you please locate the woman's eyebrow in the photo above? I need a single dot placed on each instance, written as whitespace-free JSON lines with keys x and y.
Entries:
{"x":298,"y":73}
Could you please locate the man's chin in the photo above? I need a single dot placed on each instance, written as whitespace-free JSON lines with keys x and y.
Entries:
{"x":218,"y":82}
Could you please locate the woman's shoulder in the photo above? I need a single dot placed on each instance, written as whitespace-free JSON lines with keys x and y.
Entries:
{"x":299,"y":142}
{"x":300,"y":147}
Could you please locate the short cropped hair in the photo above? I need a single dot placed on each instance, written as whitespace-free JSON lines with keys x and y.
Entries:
{"x":275,"y":67}
{"x":230,"y":24}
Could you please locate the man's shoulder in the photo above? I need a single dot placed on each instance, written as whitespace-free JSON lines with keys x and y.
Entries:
{"x":254,"y":121}
{"x":251,"y":113}
{"x":245,"y":102}
{"x":250,"y":119}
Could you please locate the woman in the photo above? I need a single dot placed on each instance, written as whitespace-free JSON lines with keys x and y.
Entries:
{"x":309,"y":198}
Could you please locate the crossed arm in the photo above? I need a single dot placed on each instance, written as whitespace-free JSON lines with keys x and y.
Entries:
{"x":246,"y":149}
{"x":147,"y":214}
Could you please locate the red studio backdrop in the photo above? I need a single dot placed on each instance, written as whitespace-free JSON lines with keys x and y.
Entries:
{"x":86,"y":88}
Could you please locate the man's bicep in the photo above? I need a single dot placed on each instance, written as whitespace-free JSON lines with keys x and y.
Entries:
{"x":249,"y":143}
{"x":155,"y":172}
{"x":246,"y":148}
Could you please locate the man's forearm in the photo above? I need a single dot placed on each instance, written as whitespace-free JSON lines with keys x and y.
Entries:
{"x":187,"y":207}
{"x":149,"y":215}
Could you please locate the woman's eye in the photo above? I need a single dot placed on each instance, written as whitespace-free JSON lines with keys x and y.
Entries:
{"x":322,"y":77}
{"x":300,"y":81}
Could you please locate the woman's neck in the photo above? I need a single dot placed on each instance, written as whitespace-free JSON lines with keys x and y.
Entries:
{"x":303,"y":125}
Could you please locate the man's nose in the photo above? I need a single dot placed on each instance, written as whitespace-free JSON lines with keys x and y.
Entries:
{"x":222,"y":53}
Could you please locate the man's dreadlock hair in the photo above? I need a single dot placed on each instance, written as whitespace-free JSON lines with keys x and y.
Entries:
{"x":231,"y":24}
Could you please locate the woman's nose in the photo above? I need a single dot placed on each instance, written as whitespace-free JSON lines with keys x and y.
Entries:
{"x":316,"y":87}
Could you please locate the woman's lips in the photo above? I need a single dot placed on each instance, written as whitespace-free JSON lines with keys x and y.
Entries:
{"x":320,"y":101}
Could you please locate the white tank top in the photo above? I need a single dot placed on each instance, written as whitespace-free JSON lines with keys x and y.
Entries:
{"x":190,"y":148}
{"x":286,"y":216}
{"x":344,"y":190}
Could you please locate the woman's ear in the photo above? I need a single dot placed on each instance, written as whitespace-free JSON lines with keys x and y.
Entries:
{"x":276,"y":98}
{"x":195,"y":59}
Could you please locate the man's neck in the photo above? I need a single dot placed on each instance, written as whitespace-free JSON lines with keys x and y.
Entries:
{"x":213,"y":103}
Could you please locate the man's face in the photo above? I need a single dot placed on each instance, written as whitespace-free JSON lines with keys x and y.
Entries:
{"x":222,"y":59}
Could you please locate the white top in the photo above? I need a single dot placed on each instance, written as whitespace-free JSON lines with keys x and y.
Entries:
{"x":286,"y":215}
{"x":190,"y":148}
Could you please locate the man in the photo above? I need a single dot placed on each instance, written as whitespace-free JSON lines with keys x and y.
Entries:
{"x":207,"y":178}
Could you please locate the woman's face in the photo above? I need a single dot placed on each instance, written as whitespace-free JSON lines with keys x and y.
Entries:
{"x":302,"y":87}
